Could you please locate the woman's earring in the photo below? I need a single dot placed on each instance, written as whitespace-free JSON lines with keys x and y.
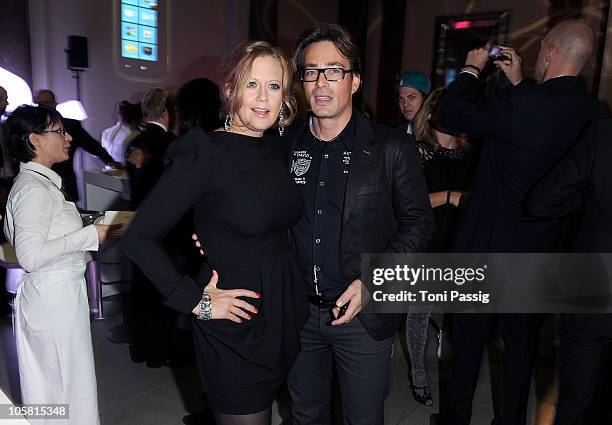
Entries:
{"x":281,"y":126}
{"x":228,"y":123}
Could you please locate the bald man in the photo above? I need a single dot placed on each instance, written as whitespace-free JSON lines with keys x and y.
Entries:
{"x":526,"y":129}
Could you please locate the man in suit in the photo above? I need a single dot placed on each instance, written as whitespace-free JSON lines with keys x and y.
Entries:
{"x":525,"y":128}
{"x":153,"y":322}
{"x":145,"y":153}
{"x":581,"y":180}
{"x":80,"y":139}
{"x":364,"y":192}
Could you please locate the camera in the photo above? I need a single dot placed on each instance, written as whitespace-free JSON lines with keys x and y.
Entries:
{"x":495,"y":54}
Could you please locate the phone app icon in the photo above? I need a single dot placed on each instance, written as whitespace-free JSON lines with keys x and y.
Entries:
{"x":129,"y":13}
{"x":129,"y":31}
{"x":148,"y":52}
{"x":148,"y":17}
{"x":129,"y":49}
{"x":147,"y":34}
{"x":150,"y":4}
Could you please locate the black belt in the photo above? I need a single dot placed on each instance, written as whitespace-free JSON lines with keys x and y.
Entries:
{"x":324,"y":303}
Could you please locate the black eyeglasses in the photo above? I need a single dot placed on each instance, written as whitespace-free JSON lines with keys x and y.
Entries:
{"x":61,"y":131}
{"x":310,"y":75}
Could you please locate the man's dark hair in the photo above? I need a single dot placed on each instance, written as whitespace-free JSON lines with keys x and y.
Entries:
{"x":24,"y":121}
{"x":130,"y":113}
{"x":327,"y":32}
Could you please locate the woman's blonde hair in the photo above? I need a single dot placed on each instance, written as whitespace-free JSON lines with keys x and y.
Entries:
{"x":237,"y":69}
{"x":423,"y":128}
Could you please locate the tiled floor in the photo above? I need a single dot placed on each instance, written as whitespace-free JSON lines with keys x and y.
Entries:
{"x":133,"y":394}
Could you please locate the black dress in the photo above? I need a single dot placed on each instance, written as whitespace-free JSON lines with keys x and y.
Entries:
{"x":244,"y":203}
{"x":446,"y":169}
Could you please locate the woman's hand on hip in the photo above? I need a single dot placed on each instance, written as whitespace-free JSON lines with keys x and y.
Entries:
{"x":226,"y":304}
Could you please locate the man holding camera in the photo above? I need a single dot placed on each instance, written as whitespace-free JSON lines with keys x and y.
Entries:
{"x":525,"y":129}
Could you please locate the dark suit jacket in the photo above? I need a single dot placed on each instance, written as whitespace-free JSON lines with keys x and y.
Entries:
{"x":80,"y":139}
{"x":582,"y":179}
{"x":526,"y":129}
{"x":153,"y":141}
{"x":386,"y":205}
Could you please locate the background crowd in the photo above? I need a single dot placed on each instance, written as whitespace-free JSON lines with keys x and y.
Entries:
{"x":467,"y":170}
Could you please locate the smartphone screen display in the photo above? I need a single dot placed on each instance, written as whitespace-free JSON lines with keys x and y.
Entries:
{"x":141,"y":41}
{"x":139,"y":29}
{"x":495,"y":52}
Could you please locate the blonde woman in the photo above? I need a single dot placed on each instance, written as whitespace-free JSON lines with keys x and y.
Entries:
{"x":248,"y":318}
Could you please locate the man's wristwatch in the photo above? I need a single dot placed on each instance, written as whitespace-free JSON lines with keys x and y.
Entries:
{"x":206,"y":307}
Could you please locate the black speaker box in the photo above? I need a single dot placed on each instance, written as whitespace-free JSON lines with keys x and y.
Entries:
{"x":77,"y":52}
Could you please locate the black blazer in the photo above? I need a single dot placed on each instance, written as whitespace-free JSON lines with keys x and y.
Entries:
{"x":582,"y":179}
{"x":80,"y":139}
{"x":386,"y":205}
{"x":525,"y":129}
{"x":153,"y":141}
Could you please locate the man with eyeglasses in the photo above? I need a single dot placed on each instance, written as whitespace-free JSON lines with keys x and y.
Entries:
{"x":364,"y":192}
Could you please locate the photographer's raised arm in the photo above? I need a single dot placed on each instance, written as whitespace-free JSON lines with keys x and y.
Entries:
{"x":457,"y":112}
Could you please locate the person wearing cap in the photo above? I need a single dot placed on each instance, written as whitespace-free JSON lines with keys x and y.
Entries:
{"x":413,"y":89}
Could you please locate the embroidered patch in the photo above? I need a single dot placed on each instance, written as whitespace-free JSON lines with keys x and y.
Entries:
{"x":300,"y":166}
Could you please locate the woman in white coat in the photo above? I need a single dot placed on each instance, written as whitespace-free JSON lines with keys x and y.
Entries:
{"x":52,"y":328}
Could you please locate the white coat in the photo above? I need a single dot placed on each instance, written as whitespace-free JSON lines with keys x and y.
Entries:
{"x":52,"y":328}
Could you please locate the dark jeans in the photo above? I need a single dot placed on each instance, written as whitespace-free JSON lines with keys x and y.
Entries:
{"x":362,"y":366}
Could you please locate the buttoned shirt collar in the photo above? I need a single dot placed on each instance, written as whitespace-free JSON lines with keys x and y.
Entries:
{"x":346,"y":136}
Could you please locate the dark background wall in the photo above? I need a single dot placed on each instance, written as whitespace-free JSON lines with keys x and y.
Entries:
{"x":394,"y":35}
{"x":15,"y":39}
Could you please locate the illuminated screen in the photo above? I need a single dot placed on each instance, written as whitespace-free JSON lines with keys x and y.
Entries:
{"x":139,"y":29}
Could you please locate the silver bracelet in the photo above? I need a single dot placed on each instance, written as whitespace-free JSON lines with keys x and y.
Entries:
{"x":206,"y":307}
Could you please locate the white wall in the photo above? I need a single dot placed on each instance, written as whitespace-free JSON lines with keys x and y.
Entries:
{"x":200,"y":33}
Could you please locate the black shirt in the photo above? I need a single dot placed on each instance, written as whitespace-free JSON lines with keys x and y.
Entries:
{"x":446,"y":169}
{"x":320,"y":169}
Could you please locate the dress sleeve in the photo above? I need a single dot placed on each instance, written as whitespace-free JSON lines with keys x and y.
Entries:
{"x":85,"y":141}
{"x":188,"y":175}
{"x":31,"y":217}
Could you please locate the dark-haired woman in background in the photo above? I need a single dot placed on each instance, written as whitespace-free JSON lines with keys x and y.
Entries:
{"x":448,"y":161}
{"x":52,"y":329}
{"x":198,"y":104}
